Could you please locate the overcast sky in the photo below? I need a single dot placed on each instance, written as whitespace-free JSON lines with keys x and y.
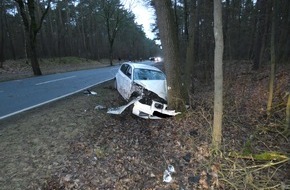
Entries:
{"x":144,"y":15}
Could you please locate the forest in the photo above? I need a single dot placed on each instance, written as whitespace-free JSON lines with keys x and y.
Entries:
{"x":105,"y":29}
{"x":87,"y":29}
{"x":93,"y":29}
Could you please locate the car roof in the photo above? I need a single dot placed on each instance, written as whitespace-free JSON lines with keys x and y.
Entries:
{"x":142,"y":66}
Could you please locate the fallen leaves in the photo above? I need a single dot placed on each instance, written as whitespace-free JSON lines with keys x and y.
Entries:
{"x":102,"y":151}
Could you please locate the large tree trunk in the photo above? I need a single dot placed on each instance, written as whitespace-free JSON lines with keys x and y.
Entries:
{"x":218,"y":76}
{"x":169,"y":41}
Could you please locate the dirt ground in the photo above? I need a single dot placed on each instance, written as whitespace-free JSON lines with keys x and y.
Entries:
{"x":74,"y":144}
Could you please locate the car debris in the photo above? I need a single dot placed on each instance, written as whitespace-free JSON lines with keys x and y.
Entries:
{"x":120,"y":109}
{"x":100,"y":107}
{"x":89,"y":92}
{"x":167,"y":174}
{"x":145,"y":87}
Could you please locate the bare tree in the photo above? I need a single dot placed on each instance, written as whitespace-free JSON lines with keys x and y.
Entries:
{"x":114,"y":17}
{"x":169,"y":40}
{"x":32,"y":27}
{"x":218,"y":75}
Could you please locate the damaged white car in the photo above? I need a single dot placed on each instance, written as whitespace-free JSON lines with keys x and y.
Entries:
{"x":145,"y":87}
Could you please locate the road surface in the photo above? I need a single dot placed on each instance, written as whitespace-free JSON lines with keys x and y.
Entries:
{"x":20,"y":95}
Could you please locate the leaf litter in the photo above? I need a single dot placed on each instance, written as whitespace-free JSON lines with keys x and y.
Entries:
{"x":69,"y":144}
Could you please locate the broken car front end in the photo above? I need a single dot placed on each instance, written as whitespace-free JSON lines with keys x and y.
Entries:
{"x":147,"y":104}
{"x":145,"y":87}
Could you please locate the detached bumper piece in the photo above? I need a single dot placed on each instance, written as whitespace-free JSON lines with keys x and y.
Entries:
{"x":156,"y":110}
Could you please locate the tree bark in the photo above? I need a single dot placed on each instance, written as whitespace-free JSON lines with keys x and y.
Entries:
{"x":218,"y":76}
{"x":169,"y":40}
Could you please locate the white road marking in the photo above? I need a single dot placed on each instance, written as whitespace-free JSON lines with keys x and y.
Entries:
{"x":50,"y":81}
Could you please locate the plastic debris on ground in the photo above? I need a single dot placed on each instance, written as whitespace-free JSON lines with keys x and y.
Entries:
{"x":89,"y":92}
{"x":100,"y":107}
{"x":167,"y":174}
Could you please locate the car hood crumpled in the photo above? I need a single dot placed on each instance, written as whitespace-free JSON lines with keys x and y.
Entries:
{"x":156,"y":86}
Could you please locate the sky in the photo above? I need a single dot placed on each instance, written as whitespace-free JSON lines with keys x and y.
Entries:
{"x":144,"y":15}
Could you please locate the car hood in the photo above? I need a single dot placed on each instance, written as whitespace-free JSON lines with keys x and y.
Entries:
{"x":156,"y":86}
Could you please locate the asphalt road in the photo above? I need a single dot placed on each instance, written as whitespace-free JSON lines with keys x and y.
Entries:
{"x":21,"y":95}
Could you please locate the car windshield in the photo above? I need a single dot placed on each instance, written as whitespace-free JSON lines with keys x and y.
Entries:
{"x":147,"y":74}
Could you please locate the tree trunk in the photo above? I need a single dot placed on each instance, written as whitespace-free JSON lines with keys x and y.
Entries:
{"x":218,"y":76}
{"x":111,"y":52}
{"x":283,"y":42}
{"x":287,"y":128}
{"x":31,"y":30}
{"x":10,"y":36}
{"x":189,"y":64}
{"x":197,"y":31}
{"x":261,"y":9}
{"x":226,"y":26}
{"x":169,"y":41}
{"x":2,"y":59}
{"x":265,"y":32}
{"x":273,"y":60}
{"x":33,"y":56}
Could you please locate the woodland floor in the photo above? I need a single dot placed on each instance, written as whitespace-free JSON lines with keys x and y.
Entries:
{"x":70,"y":144}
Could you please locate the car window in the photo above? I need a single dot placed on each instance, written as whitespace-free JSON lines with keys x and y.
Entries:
{"x":124,"y":68}
{"x":129,"y":72}
{"x":147,"y":74}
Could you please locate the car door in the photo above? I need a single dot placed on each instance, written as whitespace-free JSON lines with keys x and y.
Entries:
{"x":128,"y":81}
{"x":124,"y":81}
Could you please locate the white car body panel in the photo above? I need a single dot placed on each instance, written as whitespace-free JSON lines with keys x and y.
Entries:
{"x":124,"y":85}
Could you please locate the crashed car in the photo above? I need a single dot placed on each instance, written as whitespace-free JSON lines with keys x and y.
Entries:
{"x":145,"y":87}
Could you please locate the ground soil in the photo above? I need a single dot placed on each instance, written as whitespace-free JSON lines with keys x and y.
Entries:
{"x":74,"y":144}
